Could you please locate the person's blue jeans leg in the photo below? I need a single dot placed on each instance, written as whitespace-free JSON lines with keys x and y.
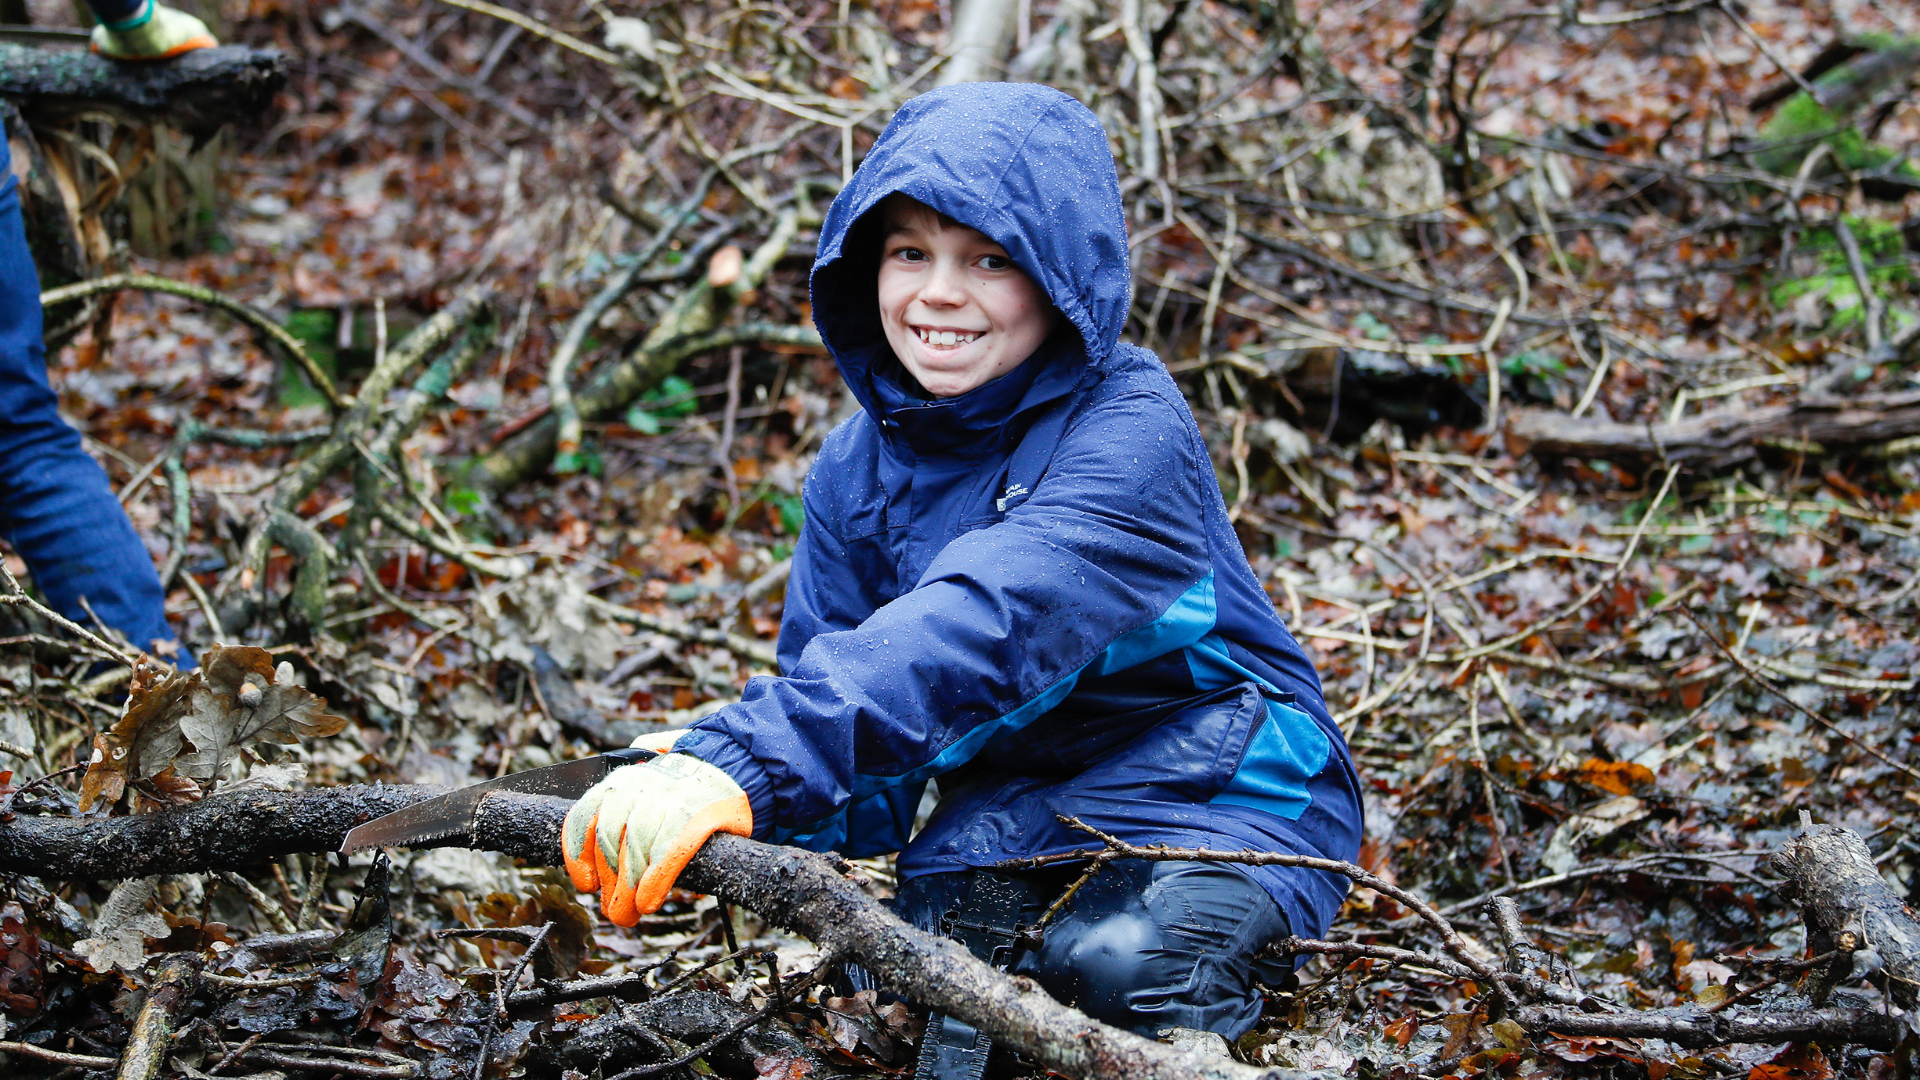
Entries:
{"x":56,"y":507}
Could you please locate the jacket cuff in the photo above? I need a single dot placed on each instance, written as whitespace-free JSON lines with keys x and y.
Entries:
{"x":716,"y":749}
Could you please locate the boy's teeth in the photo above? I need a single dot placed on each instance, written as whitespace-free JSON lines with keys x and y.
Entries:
{"x":947,"y":337}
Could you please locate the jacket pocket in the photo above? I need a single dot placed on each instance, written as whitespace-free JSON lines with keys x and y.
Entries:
{"x":1187,"y":757}
{"x":1285,"y":751}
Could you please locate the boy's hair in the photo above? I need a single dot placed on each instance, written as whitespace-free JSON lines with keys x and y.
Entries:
{"x":867,"y":239}
{"x":865,"y":243}
{"x":899,"y":205}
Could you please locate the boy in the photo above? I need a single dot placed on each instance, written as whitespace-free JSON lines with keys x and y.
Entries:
{"x":1016,"y":574}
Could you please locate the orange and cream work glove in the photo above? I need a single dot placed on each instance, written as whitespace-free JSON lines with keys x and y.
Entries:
{"x":631,"y":835}
{"x":153,"y":33}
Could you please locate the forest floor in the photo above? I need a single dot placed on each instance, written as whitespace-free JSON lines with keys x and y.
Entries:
{"x":1602,"y":683}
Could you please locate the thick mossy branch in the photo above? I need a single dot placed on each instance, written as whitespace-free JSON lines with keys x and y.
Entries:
{"x":197,"y":92}
{"x":528,"y":451}
{"x":353,"y":427}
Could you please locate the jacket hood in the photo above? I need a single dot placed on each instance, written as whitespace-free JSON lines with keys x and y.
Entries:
{"x":1026,"y":165}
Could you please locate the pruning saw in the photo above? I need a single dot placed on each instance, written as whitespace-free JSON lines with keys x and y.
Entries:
{"x":450,"y":815}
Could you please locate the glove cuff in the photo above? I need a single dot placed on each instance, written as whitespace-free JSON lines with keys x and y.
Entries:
{"x":156,"y":33}
{"x":719,"y":750}
{"x":659,"y":741}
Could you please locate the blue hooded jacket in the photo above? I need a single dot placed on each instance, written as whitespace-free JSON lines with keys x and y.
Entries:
{"x":1030,"y":590}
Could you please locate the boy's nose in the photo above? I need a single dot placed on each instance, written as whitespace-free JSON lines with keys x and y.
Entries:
{"x":943,"y":286}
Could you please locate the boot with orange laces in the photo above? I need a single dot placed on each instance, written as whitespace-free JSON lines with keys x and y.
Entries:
{"x":631,"y":835}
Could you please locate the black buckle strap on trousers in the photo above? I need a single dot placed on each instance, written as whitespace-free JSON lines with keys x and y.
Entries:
{"x":987,"y":922}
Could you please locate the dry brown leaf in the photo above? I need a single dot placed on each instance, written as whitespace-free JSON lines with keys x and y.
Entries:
{"x":103,"y":782}
{"x":242,"y":698}
{"x":1799,"y":1061}
{"x":144,"y":741}
{"x":169,"y":788}
{"x":1616,"y":777}
{"x":179,"y":733}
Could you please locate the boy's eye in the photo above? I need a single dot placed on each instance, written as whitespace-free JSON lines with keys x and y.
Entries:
{"x":995,"y":262}
{"x":910,"y":254}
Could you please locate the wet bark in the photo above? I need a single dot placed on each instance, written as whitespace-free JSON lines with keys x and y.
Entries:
{"x":196,"y":93}
{"x":1694,"y":1027}
{"x":145,"y":1057}
{"x":1850,"y":909}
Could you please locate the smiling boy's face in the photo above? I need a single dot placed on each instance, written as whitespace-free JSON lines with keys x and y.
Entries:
{"x":956,"y":310}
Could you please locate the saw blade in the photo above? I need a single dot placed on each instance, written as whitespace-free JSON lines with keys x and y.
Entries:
{"x":445,"y":816}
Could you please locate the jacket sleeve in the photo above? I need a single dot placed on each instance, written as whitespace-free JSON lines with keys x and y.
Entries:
{"x":993,"y":635}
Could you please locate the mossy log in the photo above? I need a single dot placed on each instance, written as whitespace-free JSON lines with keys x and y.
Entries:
{"x":1843,"y":114}
{"x":196,"y":93}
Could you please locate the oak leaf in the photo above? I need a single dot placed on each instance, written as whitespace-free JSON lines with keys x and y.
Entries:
{"x":168,"y":788}
{"x":180,"y":734}
{"x":144,"y":741}
{"x":242,"y":698}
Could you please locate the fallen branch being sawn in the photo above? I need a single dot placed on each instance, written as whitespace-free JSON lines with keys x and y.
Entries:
{"x":796,"y":889}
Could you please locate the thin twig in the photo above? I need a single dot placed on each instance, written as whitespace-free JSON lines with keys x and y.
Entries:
{"x":1872,"y":309}
{"x":233,"y":983}
{"x":16,"y":594}
{"x":55,"y":1057}
{"x":267,"y":905}
{"x":264,"y":1056}
{"x":756,"y":651}
{"x":1767,"y":50}
{"x":777,"y":1000}
{"x":1574,"y":608}
{"x":539,"y":29}
{"x":1117,"y":848}
{"x":240,"y":309}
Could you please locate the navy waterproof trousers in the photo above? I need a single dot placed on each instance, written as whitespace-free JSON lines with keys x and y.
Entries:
{"x":1144,"y":946}
{"x":56,"y":507}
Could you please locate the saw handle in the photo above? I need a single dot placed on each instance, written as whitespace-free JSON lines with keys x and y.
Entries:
{"x":632,"y":755}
